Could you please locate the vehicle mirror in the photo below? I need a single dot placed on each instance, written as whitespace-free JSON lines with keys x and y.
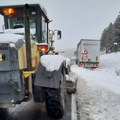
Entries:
{"x":59,"y":35}
{"x":3,"y":27}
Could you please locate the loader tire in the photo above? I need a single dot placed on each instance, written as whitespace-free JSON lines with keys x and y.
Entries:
{"x":3,"y":113}
{"x":38,"y":94}
{"x":53,"y":103}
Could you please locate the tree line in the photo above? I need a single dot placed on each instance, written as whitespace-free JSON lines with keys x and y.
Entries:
{"x":110,"y":38}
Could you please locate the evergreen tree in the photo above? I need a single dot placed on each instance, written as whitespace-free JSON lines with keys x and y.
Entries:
{"x":117,"y":30}
{"x":111,"y":35}
{"x":107,"y":37}
{"x":103,"y":39}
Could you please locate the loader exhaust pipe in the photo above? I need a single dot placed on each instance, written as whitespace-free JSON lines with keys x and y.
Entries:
{"x":28,"y":48}
{"x":27,"y":37}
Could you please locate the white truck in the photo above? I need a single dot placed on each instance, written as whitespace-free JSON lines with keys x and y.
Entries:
{"x":88,"y":53}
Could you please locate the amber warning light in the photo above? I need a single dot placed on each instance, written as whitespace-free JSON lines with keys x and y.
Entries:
{"x":43,"y":47}
{"x":8,"y":11}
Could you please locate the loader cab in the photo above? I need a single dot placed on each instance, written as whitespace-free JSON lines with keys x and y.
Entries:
{"x":38,"y":20}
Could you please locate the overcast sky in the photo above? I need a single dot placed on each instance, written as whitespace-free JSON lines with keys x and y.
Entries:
{"x":78,"y":19}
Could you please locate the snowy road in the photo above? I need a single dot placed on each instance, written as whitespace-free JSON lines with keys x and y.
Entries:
{"x":96,"y":103}
{"x":31,"y":111}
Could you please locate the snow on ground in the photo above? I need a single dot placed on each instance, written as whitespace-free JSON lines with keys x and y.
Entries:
{"x":98,"y":93}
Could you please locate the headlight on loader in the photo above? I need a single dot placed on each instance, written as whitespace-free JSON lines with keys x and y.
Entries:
{"x":2,"y":57}
{"x":43,"y":47}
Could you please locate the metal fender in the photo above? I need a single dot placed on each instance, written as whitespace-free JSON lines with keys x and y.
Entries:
{"x":48,"y":79}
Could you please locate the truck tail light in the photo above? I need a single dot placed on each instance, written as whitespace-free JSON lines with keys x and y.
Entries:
{"x":95,"y":65}
{"x":43,"y":47}
{"x":82,"y":65}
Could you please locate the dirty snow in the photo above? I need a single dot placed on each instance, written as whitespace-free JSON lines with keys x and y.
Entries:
{"x":98,"y":94}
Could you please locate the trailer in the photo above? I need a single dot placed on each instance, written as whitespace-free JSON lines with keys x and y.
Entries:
{"x":88,"y":53}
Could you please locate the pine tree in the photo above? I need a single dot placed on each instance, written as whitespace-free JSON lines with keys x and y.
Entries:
{"x":117,"y":30}
{"x":103,"y":39}
{"x":107,"y":37}
{"x":111,"y":35}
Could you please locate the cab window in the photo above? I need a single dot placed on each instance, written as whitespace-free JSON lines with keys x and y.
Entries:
{"x":44,"y":30}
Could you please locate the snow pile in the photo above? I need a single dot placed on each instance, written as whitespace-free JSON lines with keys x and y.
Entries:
{"x":99,"y":89}
{"x":110,"y":63}
{"x":9,"y":37}
{"x":19,"y":31}
{"x":13,"y":35}
{"x":52,"y":62}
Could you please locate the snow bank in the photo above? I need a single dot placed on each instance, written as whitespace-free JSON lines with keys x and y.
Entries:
{"x":52,"y":62}
{"x":106,"y":75}
{"x":100,"y":78}
{"x":98,"y":94}
{"x":110,"y":63}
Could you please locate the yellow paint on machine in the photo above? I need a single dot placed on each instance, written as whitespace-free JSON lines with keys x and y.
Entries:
{"x":1,"y":59}
{"x":27,"y":73}
{"x":34,"y":54}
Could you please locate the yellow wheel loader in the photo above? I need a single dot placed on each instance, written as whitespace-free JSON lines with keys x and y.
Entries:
{"x":22,"y":74}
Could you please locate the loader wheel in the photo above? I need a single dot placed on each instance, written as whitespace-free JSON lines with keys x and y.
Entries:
{"x":54,"y":105}
{"x":38,"y":94}
{"x":3,"y":113}
{"x":55,"y":101}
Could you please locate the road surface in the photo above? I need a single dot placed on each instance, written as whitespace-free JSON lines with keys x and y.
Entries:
{"x":31,"y":111}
